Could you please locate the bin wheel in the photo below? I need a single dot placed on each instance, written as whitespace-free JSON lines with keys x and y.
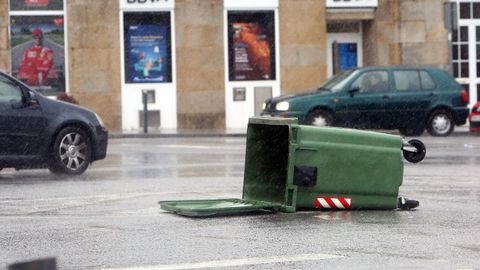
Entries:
{"x":407,"y":204}
{"x":416,"y":155}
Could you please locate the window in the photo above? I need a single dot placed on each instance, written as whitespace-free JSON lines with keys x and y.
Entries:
{"x":478,"y":92}
{"x":407,"y":80}
{"x":9,"y":91}
{"x":477,"y":31}
{"x":344,"y":27}
{"x":251,"y":45}
{"x":465,"y":10}
{"x":427,"y":81}
{"x":372,"y":81}
{"x":463,"y":57}
{"x":464,"y":33}
{"x":469,"y":10}
{"x":37,"y":32}
{"x":460,"y":54}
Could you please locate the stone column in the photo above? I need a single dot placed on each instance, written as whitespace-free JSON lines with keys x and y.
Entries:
{"x":4,"y":42}
{"x":303,"y":41}
{"x":406,"y":32}
{"x":423,"y":35}
{"x":200,"y":64}
{"x":94,"y":57}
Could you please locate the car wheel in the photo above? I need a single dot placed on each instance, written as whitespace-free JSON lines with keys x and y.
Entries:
{"x":440,"y":123}
{"x":410,"y":132}
{"x":320,"y":118}
{"x":71,"y":152}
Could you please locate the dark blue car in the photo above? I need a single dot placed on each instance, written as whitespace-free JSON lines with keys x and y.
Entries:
{"x":39,"y":132}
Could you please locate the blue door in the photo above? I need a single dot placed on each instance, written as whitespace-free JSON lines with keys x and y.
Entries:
{"x":347,"y":55}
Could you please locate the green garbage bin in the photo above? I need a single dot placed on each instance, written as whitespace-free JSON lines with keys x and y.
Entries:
{"x":289,"y":167}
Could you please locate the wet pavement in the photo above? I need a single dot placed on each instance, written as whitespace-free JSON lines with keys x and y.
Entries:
{"x":109,"y":217}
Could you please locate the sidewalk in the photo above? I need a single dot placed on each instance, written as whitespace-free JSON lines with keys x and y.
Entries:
{"x":199,"y":133}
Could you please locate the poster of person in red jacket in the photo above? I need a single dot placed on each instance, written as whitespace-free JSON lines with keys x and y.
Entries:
{"x":37,"y":61}
{"x":38,"y":52}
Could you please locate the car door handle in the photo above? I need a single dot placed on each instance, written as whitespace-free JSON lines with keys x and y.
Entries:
{"x":432,"y":95}
{"x":386,"y":97}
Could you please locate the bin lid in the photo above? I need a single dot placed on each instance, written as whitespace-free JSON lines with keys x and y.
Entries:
{"x":204,"y":208}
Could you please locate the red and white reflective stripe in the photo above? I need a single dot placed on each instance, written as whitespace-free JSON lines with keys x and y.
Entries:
{"x":333,"y":203}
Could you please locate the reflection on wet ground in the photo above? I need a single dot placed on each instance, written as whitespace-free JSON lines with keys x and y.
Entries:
{"x":143,"y":165}
{"x":452,"y":160}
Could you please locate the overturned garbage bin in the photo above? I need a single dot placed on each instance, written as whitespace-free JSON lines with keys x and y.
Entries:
{"x":290,"y":167}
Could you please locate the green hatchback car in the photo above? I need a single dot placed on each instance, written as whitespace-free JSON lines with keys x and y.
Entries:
{"x":410,"y":99}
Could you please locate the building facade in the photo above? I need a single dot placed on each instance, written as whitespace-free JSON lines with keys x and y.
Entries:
{"x":210,"y":64}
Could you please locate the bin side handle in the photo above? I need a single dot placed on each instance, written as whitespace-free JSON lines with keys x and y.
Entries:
{"x":291,"y":199}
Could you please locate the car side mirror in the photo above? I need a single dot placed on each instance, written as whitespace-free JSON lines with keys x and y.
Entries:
{"x":354,"y":90}
{"x":31,"y":99}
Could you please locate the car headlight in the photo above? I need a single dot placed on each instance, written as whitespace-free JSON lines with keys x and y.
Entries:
{"x":99,"y":119}
{"x":282,"y":106}
{"x":264,"y":106}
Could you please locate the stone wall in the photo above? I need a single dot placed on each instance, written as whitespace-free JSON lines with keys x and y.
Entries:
{"x":94,"y":57}
{"x":303,"y":50}
{"x":423,"y":35}
{"x":4,"y":42}
{"x":406,"y":32}
{"x":200,"y":64}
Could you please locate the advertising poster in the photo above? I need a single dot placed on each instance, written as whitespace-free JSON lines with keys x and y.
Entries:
{"x":147,"y":47}
{"x":251,"y":46}
{"x":38,"y":52}
{"x":26,"y":5}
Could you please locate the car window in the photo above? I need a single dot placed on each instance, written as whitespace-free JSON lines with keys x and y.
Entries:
{"x":427,"y":81}
{"x":9,"y":91}
{"x":407,"y":80}
{"x":334,"y":82}
{"x":372,"y":81}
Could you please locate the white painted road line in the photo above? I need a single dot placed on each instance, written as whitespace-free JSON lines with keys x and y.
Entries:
{"x":235,"y":262}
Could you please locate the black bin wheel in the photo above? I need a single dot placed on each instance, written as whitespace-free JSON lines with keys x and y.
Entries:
{"x":417,"y":155}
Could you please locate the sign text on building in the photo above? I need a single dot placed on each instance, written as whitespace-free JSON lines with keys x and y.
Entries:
{"x":147,"y":4}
